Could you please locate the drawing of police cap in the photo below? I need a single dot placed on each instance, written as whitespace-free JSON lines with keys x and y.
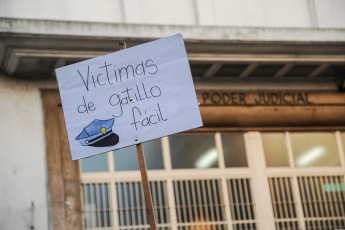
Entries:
{"x":98,"y":134}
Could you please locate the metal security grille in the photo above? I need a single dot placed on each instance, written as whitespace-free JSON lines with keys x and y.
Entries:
{"x":96,"y":206}
{"x":199,"y":204}
{"x":131,"y":207}
{"x":323,"y":201}
{"x":241,"y":203}
{"x":241,"y":198}
{"x":285,"y":215}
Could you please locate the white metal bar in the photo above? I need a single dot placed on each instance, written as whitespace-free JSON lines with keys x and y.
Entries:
{"x":166,"y":153}
{"x":122,"y":204}
{"x":178,"y":174}
{"x":86,"y":208}
{"x":93,"y":221}
{"x":205,"y":200}
{"x":111,"y":162}
{"x":329,"y":197}
{"x":160,"y":200}
{"x":252,"y":204}
{"x":220,"y":197}
{"x":299,"y":208}
{"x":289,"y":149}
{"x":249,"y":205}
{"x":195,"y":206}
{"x":211,"y":204}
{"x":184,"y":208}
{"x":273,"y":198}
{"x":200,"y":224}
{"x":141,"y":227}
{"x":225,"y":195}
{"x":104,"y":204}
{"x":324,"y":197}
{"x":318,"y":221}
{"x":334,"y":198}
{"x":310,"y":200}
{"x":340,"y":146}
{"x":242,"y":204}
{"x":308,"y":194}
{"x":131,"y":208}
{"x":154,"y":198}
{"x":189,"y":203}
{"x":83,"y":204}
{"x":137,"y":199}
{"x":284,"y":197}
{"x":319,"y":197}
{"x":341,"y":197}
{"x":98,"y":211}
{"x":199,"y":195}
{"x":178,"y":206}
{"x":327,"y":218}
{"x":256,"y":157}
{"x":171,"y":201}
{"x":306,"y":171}
{"x":145,"y":217}
{"x":126,"y":209}
{"x":290,"y":199}
{"x":279,"y":200}
{"x":219,"y":146}
{"x":237,"y":208}
{"x":316,"y":203}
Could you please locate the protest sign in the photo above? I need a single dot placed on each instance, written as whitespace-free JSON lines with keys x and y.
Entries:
{"x":128,"y":97}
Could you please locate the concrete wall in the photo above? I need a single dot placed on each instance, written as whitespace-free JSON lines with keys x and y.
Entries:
{"x":23,"y":173}
{"x":330,"y":13}
{"x":258,"y":13}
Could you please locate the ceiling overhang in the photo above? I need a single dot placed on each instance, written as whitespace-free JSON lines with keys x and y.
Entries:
{"x":33,"y":49}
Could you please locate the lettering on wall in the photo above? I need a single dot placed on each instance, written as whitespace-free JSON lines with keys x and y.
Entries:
{"x":258,"y":99}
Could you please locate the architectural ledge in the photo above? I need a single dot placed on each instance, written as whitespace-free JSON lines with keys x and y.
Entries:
{"x":148,"y":31}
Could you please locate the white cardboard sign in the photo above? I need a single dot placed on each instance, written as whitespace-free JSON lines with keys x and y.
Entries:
{"x":128,"y":97}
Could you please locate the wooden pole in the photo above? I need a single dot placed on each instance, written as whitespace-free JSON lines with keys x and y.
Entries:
{"x":143,"y":172}
{"x":146,"y":186}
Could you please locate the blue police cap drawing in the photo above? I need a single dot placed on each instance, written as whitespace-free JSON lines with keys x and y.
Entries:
{"x":98,"y":134}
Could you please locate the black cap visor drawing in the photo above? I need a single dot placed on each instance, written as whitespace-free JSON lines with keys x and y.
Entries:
{"x":110,"y":140}
{"x":98,"y":134}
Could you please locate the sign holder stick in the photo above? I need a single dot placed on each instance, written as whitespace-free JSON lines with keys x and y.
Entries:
{"x":143,"y":172}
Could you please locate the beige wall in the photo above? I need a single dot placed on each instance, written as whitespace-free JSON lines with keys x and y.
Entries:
{"x":258,"y":13}
{"x":23,"y":174}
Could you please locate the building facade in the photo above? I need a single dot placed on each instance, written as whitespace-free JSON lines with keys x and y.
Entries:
{"x":269,"y":76}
